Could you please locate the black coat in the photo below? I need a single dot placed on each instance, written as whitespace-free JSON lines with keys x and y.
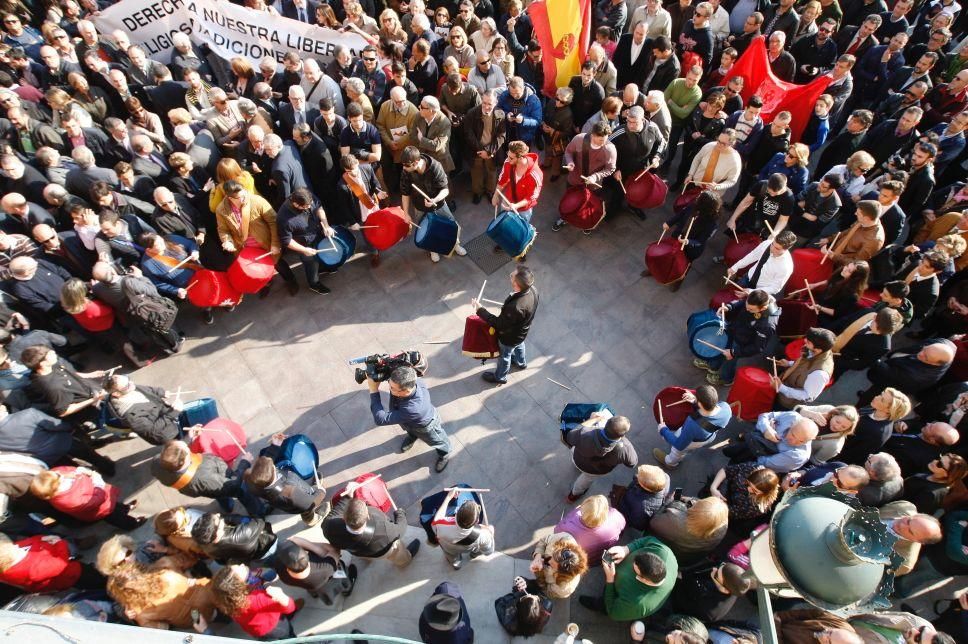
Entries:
{"x":290,"y":494}
{"x":863,"y":350}
{"x":242,"y":542}
{"x":515,"y":319}
{"x":347,"y":211}
{"x":905,"y":372}
{"x":212,"y":479}
{"x":911,"y":452}
{"x":626,"y":71}
{"x":320,"y":168}
{"x":377,"y":537}
{"x":667,"y":72}
{"x":154,"y":421}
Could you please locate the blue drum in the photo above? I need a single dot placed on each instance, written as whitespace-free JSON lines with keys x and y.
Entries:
{"x":345,"y":245}
{"x":711,"y":332}
{"x":513,"y":233}
{"x":198,"y":412}
{"x":437,"y":234}
{"x":698,"y":318}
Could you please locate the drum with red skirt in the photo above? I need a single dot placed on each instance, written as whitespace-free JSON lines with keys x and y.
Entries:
{"x":739,"y":247}
{"x":389,"y":227}
{"x":480,"y":339}
{"x":212,"y":288}
{"x":666,"y":260}
{"x":252,"y":270}
{"x":753,"y":392}
{"x":674,"y":410}
{"x":796,"y":318}
{"x":685,"y":200}
{"x":581,"y":208}
{"x":807,"y":266}
{"x":222,"y":437}
{"x":645,"y":190}
{"x":723,"y":296}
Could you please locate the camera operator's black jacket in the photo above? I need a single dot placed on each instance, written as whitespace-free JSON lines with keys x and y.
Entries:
{"x":514,"y":322}
{"x":242,"y":542}
{"x":377,"y":537}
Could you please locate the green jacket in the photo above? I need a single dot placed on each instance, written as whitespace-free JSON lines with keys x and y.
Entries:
{"x":628,"y":598}
{"x":681,"y":100}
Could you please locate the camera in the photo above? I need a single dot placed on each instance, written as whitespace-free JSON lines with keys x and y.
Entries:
{"x":379,"y":366}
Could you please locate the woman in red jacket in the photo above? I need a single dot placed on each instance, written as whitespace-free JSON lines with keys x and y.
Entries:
{"x":520,"y":180}
{"x":81,"y":493}
{"x":43,"y":564}
{"x":262,"y":612}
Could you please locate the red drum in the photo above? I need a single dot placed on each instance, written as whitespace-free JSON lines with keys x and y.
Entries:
{"x":753,"y":391}
{"x":870,"y":297}
{"x":581,"y":208}
{"x":796,"y":318}
{"x":807,"y":266}
{"x":722,"y":296}
{"x":480,"y":339}
{"x":736,"y":251}
{"x":392,"y":226}
{"x":686,"y":199}
{"x":666,"y":261}
{"x":96,"y":316}
{"x":212,"y":288}
{"x":221,"y":437}
{"x":645,"y":191}
{"x":375,"y":494}
{"x":675,"y":415}
{"x":252,"y":270}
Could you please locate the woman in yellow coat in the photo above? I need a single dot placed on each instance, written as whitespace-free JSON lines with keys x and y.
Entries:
{"x":229,"y":170}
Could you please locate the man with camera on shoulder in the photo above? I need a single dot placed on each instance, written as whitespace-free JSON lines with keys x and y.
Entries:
{"x":410,"y":407}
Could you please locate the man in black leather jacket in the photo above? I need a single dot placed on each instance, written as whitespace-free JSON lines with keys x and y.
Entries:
{"x":286,"y":491}
{"x":367,"y":532}
{"x":231,"y":538}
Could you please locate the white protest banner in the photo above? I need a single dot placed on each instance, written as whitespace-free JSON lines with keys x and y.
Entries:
{"x":228,"y":29}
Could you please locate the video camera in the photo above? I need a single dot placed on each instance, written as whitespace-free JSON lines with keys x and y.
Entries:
{"x":379,"y":366}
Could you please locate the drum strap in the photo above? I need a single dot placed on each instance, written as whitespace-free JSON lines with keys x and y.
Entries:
{"x":358,"y":191}
{"x":754,"y":280}
{"x":703,"y":422}
{"x":848,"y":334}
{"x":189,"y":474}
{"x":586,"y":146}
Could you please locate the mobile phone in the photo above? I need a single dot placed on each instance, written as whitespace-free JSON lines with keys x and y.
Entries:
{"x":196,"y":616}
{"x":607,"y":557}
{"x":677,"y":495}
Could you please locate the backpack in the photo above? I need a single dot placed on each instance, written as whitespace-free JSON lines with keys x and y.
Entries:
{"x":154,"y":312}
{"x":298,"y":454}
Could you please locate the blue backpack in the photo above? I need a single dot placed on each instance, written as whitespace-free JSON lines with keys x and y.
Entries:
{"x":298,"y":454}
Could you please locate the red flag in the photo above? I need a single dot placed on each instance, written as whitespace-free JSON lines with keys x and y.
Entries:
{"x":777,"y":95}
{"x":563,"y":29}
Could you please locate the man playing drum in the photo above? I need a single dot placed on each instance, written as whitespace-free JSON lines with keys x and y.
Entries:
{"x":589,"y":159}
{"x":424,"y":185}
{"x":359,"y":195}
{"x":520,"y":182}
{"x":639,"y":145}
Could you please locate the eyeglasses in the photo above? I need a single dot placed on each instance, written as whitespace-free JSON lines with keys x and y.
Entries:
{"x":825,"y":31}
{"x":369,"y":59}
{"x":456,"y":37}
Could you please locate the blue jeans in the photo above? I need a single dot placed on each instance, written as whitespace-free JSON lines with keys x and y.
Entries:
{"x":515,"y":353}
{"x":433,"y":434}
{"x":727,"y":372}
{"x":526,"y":214}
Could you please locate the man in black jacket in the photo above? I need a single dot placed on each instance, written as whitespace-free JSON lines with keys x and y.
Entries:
{"x":231,"y":539}
{"x":367,"y":532}
{"x":916,"y":369}
{"x":599,"y":447}
{"x":868,"y":343}
{"x":513,"y":323}
{"x":286,"y":491}
{"x":144,"y":410}
{"x":631,"y":57}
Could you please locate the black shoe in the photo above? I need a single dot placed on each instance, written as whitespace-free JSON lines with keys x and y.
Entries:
{"x":413,"y":547}
{"x":497,"y":249}
{"x":476,"y":199}
{"x":319,"y":288}
{"x":105,"y":467}
{"x":407,"y":444}
{"x":441,"y":463}
{"x":356,"y":631}
{"x":351,"y":573}
{"x":292,"y":287}
{"x":208,"y":316}
{"x":557,"y":225}
{"x":489,"y":376}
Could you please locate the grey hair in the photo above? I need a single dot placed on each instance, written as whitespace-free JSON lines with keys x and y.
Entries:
{"x":404,"y":377}
{"x":83,"y":156}
{"x":636,"y":112}
{"x":883,"y":467}
{"x":357,"y":84}
{"x":431,"y":102}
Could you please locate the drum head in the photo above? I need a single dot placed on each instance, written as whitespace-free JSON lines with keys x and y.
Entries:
{"x":674,"y":414}
{"x":708,"y":332}
{"x":572,"y":201}
{"x":212,"y":288}
{"x":336,"y":251}
{"x":437,"y":234}
{"x":807,"y":266}
{"x":647,"y":191}
{"x":792,"y":350}
{"x":392,"y":225}
{"x":736,"y":251}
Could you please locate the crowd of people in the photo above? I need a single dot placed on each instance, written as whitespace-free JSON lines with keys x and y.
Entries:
{"x":125,"y":176}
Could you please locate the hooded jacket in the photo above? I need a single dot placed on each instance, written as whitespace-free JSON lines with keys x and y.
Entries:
{"x":529,"y":107}
{"x":749,"y":334}
{"x":597,"y":455}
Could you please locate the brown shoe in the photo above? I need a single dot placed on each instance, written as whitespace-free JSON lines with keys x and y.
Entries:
{"x":374,"y":260}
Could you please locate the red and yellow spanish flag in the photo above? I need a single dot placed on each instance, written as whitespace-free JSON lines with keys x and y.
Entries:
{"x":563,"y":29}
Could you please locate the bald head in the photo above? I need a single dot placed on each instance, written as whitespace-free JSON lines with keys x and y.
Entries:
{"x":918,"y":528}
{"x":45,"y":236}
{"x":940,"y":434}
{"x":103,"y":272}
{"x":13,"y":203}
{"x":23,"y":268}
{"x":938,"y":354}
{"x":851,"y":478}
{"x":802,"y":432}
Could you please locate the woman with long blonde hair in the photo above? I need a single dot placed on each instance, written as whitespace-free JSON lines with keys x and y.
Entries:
{"x":228,"y":169}
{"x":595,"y":525}
{"x":692,"y":528}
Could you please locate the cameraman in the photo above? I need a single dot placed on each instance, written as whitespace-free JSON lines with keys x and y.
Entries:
{"x":410,"y":407}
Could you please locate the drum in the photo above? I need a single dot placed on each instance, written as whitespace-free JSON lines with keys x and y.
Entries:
{"x":581,"y":208}
{"x":480,"y":339}
{"x":96,"y":317}
{"x":870,"y":297}
{"x":666,"y":261}
{"x":796,"y":318}
{"x":736,"y":251}
{"x":392,"y":225}
{"x":645,"y":190}
{"x":437,"y":234}
{"x":723,"y":296}
{"x":686,"y":199}
{"x":198,"y":412}
{"x":223,"y":438}
{"x":697,"y":318}
{"x":212,"y":288}
{"x":375,"y":494}
{"x":753,"y":391}
{"x":252,"y":270}
{"x":711,"y":332}
{"x":513,"y":233}
{"x":336,"y":251}
{"x":807,"y":266}
{"x":674,"y":414}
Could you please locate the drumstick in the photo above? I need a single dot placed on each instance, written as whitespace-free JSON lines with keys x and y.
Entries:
{"x":365,"y":227}
{"x":710,"y":345}
{"x":831,"y":247}
{"x":622,"y":186}
{"x":558,"y":383}
{"x":677,"y":403}
{"x":769,"y":227}
{"x":686,"y":237}
{"x":110,"y":371}
{"x":263,"y":256}
{"x":729,"y":281}
{"x":775,"y":374}
{"x":662,"y":235}
{"x":467,"y":489}
{"x":180,"y":264}
{"x":484,"y":299}
{"x":589,"y":181}
{"x":507,"y":201}
{"x":333,"y":244}
{"x":436,"y":342}
{"x":481,"y":294}
{"x":639,"y":175}
{"x":373,"y":478}
{"x":735,"y":236}
{"x":813,"y":302}
{"x":423,"y":194}
{"x":661,"y":418}
{"x":190,"y":286}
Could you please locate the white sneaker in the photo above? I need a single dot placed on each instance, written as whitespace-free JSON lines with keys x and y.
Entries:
{"x":460,"y":250}
{"x":434,"y":257}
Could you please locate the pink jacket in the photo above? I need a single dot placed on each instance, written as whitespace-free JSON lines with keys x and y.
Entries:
{"x":594,"y":540}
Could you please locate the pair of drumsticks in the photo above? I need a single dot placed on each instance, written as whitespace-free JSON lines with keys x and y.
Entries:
{"x":685,"y":238}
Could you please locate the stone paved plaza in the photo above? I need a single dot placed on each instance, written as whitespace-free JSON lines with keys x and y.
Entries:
{"x":604,"y":332}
